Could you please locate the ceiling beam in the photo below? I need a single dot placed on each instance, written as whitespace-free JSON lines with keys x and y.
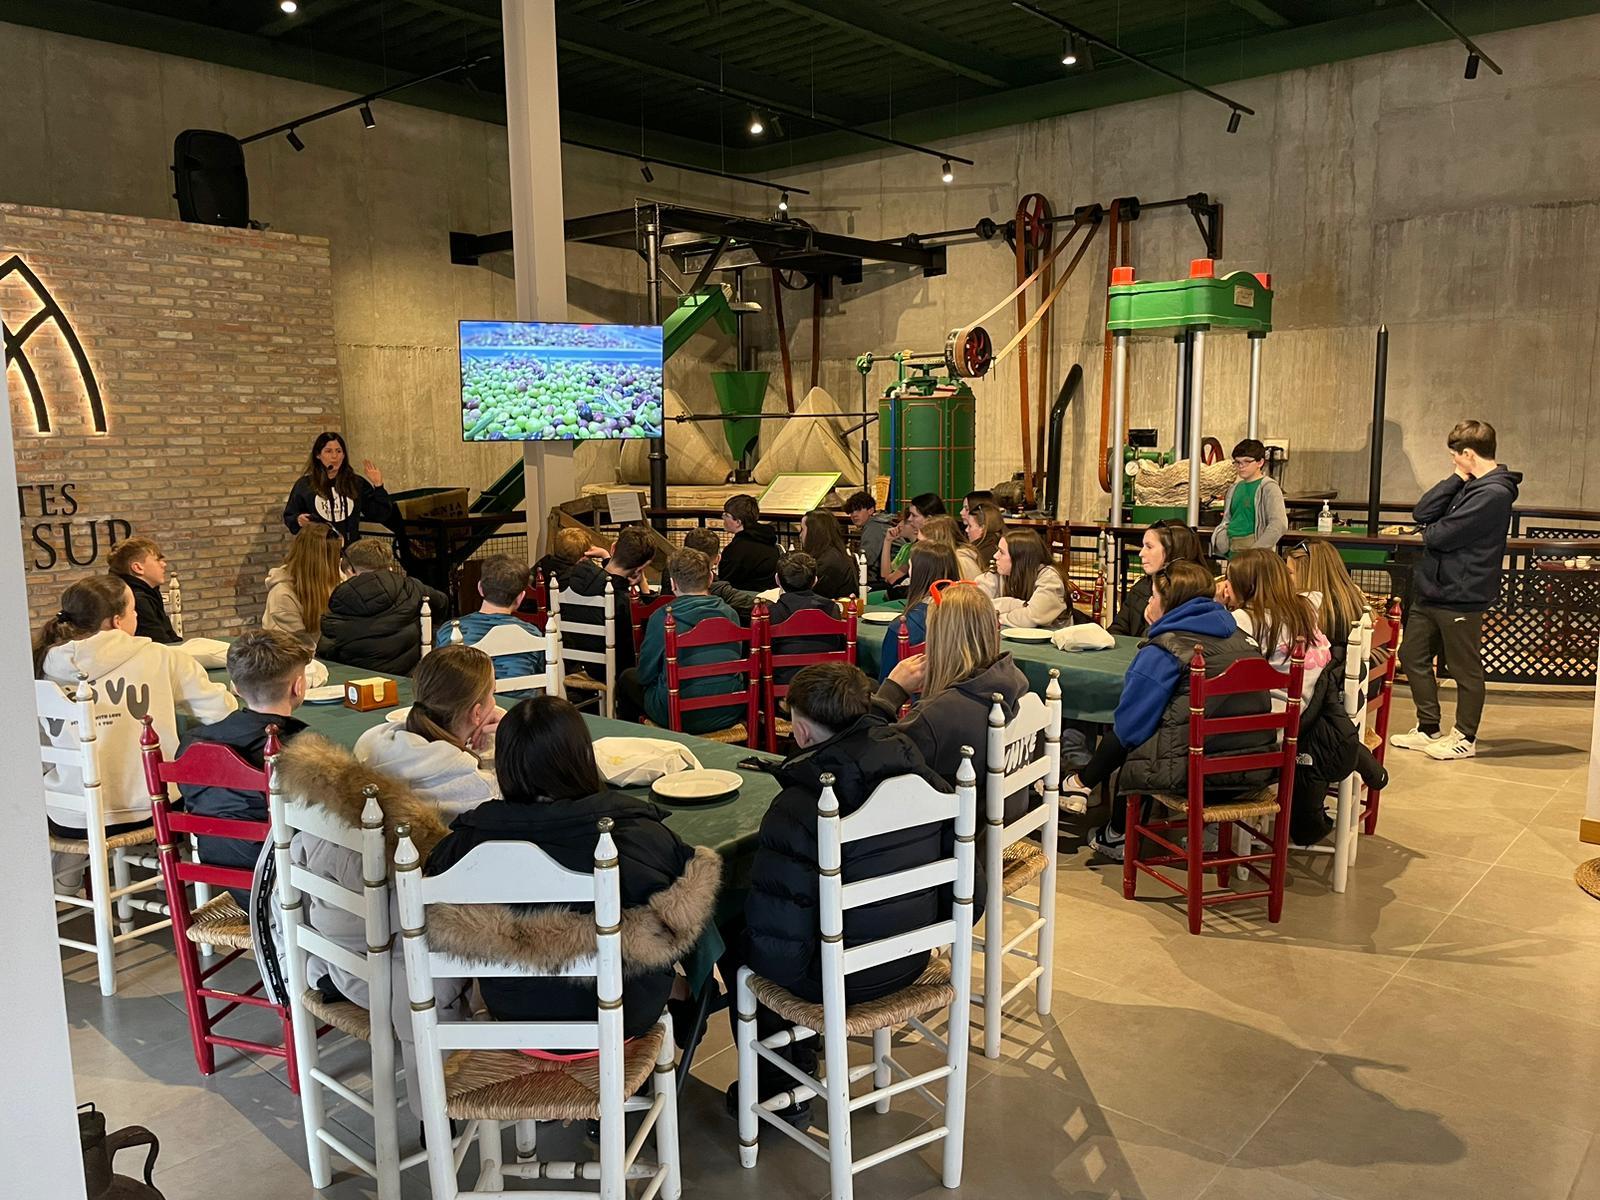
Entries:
{"x":863,"y":18}
{"x":1263,"y":12}
{"x":320,"y":11}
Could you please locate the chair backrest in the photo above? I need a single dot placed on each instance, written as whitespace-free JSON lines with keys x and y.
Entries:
{"x":1353,"y":690}
{"x":58,"y":712}
{"x":744,"y":663}
{"x":1019,"y":750}
{"x":902,"y":803}
{"x":807,"y":623}
{"x":1385,"y":637}
{"x":639,"y":610}
{"x":427,"y":626}
{"x":570,"y":626}
{"x":861,"y":581}
{"x":505,"y":873}
{"x":907,"y":649}
{"x":508,"y":640}
{"x":1245,"y":675}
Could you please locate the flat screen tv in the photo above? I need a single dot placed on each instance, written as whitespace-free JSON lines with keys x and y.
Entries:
{"x":531,"y":381}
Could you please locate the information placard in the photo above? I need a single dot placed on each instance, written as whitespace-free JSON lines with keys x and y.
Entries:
{"x":797,"y":492}
{"x":625,"y":508}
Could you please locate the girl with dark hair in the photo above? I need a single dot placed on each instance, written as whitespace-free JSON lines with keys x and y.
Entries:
{"x":983,"y":527}
{"x":437,"y":749}
{"x":821,"y":538}
{"x":553,"y":796}
{"x":1027,"y":590}
{"x":930,"y":562}
{"x":1164,"y":543}
{"x":329,"y":492}
{"x":895,"y":557}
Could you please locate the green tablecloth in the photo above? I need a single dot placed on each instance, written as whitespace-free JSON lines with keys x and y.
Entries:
{"x":1091,"y":680}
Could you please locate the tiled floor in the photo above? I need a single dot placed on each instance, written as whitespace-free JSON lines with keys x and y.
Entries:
{"x":1434,"y":1032}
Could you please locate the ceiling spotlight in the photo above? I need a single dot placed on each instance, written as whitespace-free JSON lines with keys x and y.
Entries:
{"x":294,"y":140}
{"x":783,"y":202}
{"x":947,"y":174}
{"x":649,"y":175}
{"x":367,"y":118}
{"x":756,"y":127}
{"x":1069,"y":52}
{"x":1472,"y":66}
{"x":1233,"y":121}
{"x":289,"y":6}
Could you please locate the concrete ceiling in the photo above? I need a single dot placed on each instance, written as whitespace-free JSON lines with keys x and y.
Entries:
{"x":676,"y":79}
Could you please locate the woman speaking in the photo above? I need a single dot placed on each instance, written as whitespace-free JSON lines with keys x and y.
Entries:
{"x":331,"y":493}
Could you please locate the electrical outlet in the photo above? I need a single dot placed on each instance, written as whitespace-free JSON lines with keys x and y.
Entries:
{"x":1281,"y":443}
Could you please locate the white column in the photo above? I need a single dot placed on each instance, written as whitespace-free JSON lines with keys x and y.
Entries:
{"x":38,"y":1127}
{"x":1197,"y":409}
{"x":539,"y":251}
{"x":1253,"y":415}
{"x":1119,"y":417}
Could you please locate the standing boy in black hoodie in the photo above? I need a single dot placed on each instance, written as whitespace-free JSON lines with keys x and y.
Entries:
{"x":1464,"y":520}
{"x":139,"y":563}
{"x":751,"y":559}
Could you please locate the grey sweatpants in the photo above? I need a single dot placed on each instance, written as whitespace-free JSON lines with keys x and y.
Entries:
{"x":1459,"y":635}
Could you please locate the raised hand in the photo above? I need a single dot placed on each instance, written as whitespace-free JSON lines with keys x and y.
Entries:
{"x":373,"y":474}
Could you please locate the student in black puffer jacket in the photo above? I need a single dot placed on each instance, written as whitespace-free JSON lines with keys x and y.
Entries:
{"x":751,"y":559}
{"x":374,"y":618}
{"x":554,"y":797}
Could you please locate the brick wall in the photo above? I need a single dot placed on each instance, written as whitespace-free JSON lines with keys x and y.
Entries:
{"x":214,"y":353}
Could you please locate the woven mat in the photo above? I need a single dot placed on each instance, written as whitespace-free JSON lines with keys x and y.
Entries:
{"x":1588,"y":877}
{"x":220,"y":922}
{"x":1020,"y":864}
{"x":503,"y":1085}
{"x":117,"y":841}
{"x":1255,"y":804}
{"x":341,"y":1014}
{"x":928,"y":994}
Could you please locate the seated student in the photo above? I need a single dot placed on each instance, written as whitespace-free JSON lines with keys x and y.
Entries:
{"x":139,"y":563}
{"x":894,"y":558}
{"x":929,"y":564}
{"x":873,"y":529}
{"x":1253,"y":515}
{"x":437,"y":749}
{"x":374,"y":618}
{"x":708,"y":543}
{"x":643,"y":690}
{"x":957,"y":677}
{"x":1164,"y":543}
{"x":751,"y":557}
{"x":268,"y":671}
{"x":820,"y":537}
{"x":830,"y":706}
{"x":1315,"y":568}
{"x":92,"y":635}
{"x":942,"y":531}
{"x":1027,"y":590}
{"x":633,"y":552}
{"x":568,"y":548}
{"x":797,"y":576}
{"x":1267,"y":608}
{"x":298,"y":589}
{"x":502,"y":585}
{"x":553,"y":796}
{"x":972,"y":499}
{"x":1149,"y":735}
{"x":983,"y":528}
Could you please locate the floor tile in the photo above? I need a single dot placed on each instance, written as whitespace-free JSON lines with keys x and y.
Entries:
{"x":1549,"y":848}
{"x":1386,"y":871}
{"x":1553,"y":975}
{"x":1534,"y":902}
{"x":1258,"y":1183}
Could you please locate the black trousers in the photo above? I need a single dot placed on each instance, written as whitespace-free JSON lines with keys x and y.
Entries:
{"x":630,"y":696}
{"x":1460,"y":636}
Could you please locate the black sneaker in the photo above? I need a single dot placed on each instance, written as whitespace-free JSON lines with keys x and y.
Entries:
{"x":1107,"y":842}
{"x":798,"y":1115}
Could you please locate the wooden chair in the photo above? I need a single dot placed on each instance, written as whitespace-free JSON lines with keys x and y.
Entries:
{"x":1353,"y":705}
{"x":808,"y":623}
{"x":507,"y":641}
{"x":111,"y":859}
{"x":570,"y":625}
{"x":639,"y":610}
{"x":426,"y":620}
{"x":896,"y":805}
{"x":487,"y":1082}
{"x":1236,"y":811}
{"x":1385,"y":637}
{"x":744,"y":663}
{"x":907,"y":649}
{"x":1024,"y":752}
{"x":219,"y":921}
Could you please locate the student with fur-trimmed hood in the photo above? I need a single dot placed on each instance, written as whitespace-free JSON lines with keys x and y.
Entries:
{"x":554,"y":797}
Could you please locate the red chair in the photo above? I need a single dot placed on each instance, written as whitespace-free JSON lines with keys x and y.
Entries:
{"x":539,"y":593}
{"x":1094,"y":597}
{"x":808,"y":623}
{"x":1379,"y":707}
{"x":220,"y":921}
{"x":1194,"y":814}
{"x":744,"y":663}
{"x":640,"y":610}
{"x":903,"y":640}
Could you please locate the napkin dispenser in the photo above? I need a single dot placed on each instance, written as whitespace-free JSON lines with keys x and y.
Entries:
{"x":366,"y":695}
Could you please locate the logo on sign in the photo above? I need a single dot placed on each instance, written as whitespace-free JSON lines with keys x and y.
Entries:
{"x":16,"y":343}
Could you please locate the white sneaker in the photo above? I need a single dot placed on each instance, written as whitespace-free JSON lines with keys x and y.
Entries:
{"x":1452,"y":746}
{"x":1414,"y":739}
{"x":1074,"y":796}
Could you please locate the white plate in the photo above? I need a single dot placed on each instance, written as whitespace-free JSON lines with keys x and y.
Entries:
{"x":697,"y":787}
{"x":1027,"y":635}
{"x":333,"y":693}
{"x":879,"y":617}
{"x":398,"y":715}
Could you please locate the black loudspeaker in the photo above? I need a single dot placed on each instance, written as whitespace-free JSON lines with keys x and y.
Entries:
{"x":208,"y":168}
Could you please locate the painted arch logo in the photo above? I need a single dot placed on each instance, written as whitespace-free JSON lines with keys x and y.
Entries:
{"x":49,"y":313}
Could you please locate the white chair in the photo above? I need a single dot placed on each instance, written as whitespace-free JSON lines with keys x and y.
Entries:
{"x":427,"y":626}
{"x":488,"y":1084}
{"x":112,"y":860}
{"x":1347,"y":819}
{"x":310,"y":1011}
{"x":1011,"y":861}
{"x":897,"y":804}
{"x":571,"y":656}
{"x":174,"y":603}
{"x":861,"y":580}
{"x":520,"y":638}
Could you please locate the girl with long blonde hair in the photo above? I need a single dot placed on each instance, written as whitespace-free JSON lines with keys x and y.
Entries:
{"x":1316,"y":569}
{"x":298,"y":591}
{"x":1266,"y":607}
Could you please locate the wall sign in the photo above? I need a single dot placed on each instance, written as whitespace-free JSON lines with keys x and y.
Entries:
{"x":50,"y":312}
{"x":57,"y":534}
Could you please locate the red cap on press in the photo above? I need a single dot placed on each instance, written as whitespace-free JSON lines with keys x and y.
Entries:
{"x":1202,"y":268}
{"x":1121,"y":275}
{"x":1265,"y":278}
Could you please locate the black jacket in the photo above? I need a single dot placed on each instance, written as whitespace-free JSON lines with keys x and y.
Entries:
{"x":668,"y":889}
{"x":786,"y":606}
{"x":152,"y":609}
{"x":751,"y":559}
{"x":1130,"y":620}
{"x":374,"y":621}
{"x":1464,"y":527}
{"x":957,"y":717}
{"x":370,"y":504}
{"x":837,"y":574}
{"x":245,"y":731}
{"x":590,"y":578}
{"x":783,"y":929}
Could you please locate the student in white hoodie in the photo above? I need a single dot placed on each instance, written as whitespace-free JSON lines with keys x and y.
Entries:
{"x":92,"y":635}
{"x":1027,"y":590}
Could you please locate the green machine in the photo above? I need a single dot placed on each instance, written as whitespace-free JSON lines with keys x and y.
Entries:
{"x":925,"y":426}
{"x":1187,"y":310}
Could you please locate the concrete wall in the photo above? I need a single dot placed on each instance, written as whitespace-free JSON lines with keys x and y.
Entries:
{"x":1465,"y":214}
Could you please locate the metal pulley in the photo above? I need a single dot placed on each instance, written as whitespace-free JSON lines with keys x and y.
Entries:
{"x":969,"y":352}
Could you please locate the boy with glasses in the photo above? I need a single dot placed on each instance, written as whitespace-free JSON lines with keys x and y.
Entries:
{"x":1253,"y":515}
